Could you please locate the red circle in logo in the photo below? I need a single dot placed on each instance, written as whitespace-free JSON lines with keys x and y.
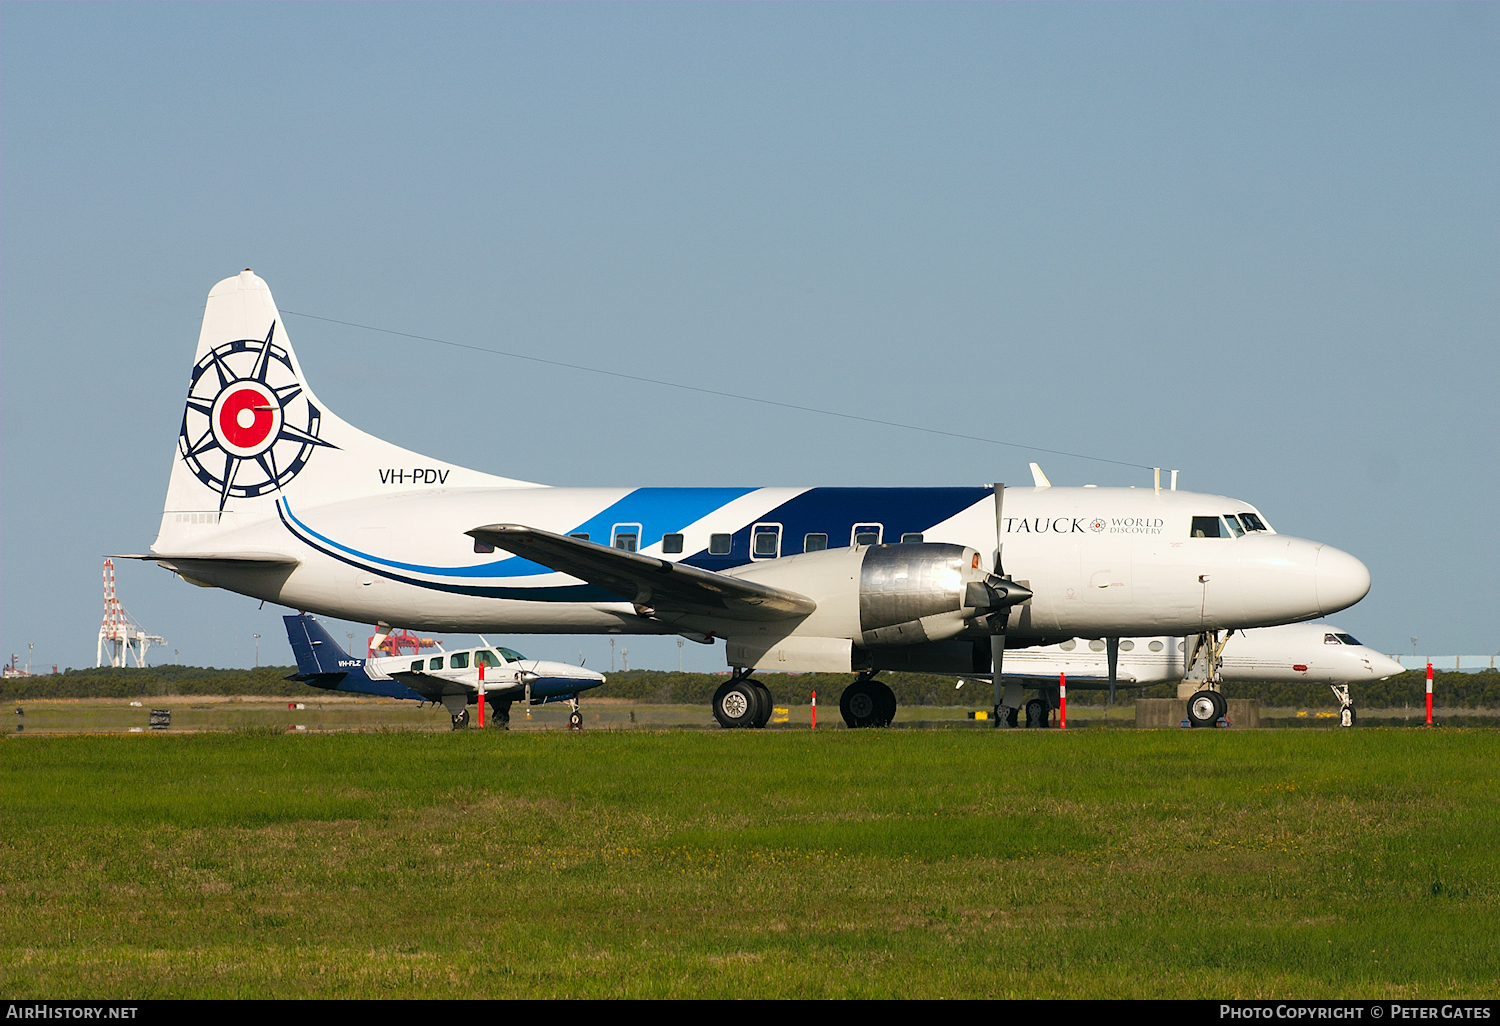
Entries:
{"x":245,"y":418}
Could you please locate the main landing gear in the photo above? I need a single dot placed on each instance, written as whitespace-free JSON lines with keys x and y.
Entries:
{"x":742,"y":702}
{"x":461,"y":719}
{"x":867,"y":703}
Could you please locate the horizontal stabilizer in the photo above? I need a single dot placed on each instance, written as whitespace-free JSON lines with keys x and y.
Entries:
{"x":645,"y":580}
{"x":268,"y":558}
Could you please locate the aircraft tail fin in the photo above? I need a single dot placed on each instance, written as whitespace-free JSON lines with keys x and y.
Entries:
{"x":254,"y":434}
{"x":318,"y":655}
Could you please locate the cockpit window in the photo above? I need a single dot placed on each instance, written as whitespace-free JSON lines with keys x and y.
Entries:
{"x":1331,"y":639}
{"x":511,"y":655}
{"x":484,"y":657}
{"x":1348,"y":639}
{"x":1206,"y":527}
{"x":1234,"y":525}
{"x":1252,"y":522}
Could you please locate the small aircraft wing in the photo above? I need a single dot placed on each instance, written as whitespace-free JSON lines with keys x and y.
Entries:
{"x":645,"y":580}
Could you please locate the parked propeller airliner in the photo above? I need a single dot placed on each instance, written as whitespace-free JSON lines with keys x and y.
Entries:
{"x":273,"y":496}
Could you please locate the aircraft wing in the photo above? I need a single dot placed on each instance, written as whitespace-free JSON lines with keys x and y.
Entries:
{"x":252,"y":558}
{"x":645,"y":580}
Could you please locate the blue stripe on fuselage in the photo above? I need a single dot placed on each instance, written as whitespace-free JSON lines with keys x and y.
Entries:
{"x":835,"y":511}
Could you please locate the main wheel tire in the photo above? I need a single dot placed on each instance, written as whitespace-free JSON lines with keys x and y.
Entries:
{"x":736,"y":704}
{"x":860,"y":704}
{"x":1012,"y":716}
{"x":1348,"y":716}
{"x":461,"y":720}
{"x":1036,"y":713}
{"x":767,"y":704}
{"x":1203,"y":708}
{"x":887,"y":704}
{"x":1223,"y":704}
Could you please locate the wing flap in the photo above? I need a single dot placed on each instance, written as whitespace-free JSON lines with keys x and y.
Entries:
{"x":646,"y":580}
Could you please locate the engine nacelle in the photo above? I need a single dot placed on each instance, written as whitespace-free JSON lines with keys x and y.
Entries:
{"x":870,"y":597}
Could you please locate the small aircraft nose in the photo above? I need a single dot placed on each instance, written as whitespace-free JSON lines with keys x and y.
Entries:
{"x":1382,"y":666}
{"x":1341,"y":579}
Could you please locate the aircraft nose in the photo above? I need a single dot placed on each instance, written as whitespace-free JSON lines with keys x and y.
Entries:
{"x":1384,"y":666}
{"x":1341,"y":579}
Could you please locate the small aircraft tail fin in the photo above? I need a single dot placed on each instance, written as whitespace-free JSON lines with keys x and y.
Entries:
{"x":253,"y":433}
{"x":316,"y":651}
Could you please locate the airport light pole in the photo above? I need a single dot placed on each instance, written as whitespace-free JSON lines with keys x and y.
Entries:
{"x":257,"y":651}
{"x":679,"y":655}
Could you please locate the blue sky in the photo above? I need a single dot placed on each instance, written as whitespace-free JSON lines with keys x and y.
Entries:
{"x":1257,"y":243}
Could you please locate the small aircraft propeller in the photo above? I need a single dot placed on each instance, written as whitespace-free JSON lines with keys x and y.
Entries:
{"x":1004,"y":594}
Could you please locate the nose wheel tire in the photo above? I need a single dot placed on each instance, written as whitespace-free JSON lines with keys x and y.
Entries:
{"x":737,"y":703}
{"x":575,"y":720}
{"x":1347,"y":716}
{"x":867,"y":703}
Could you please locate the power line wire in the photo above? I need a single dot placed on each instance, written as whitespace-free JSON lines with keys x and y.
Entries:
{"x":717,"y":392}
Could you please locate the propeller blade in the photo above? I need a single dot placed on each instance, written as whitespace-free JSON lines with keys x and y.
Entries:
{"x":999,"y":528}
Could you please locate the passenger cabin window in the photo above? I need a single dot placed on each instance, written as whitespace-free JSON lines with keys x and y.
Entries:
{"x":480,"y":546}
{"x":459,"y":661}
{"x":1066,"y":646}
{"x":765,"y":541}
{"x":627,"y":537}
{"x":1206,"y":527}
{"x":865,"y":534}
{"x":911,"y":539}
{"x":1252,"y":522}
{"x":1155,"y":646}
{"x":814,"y":542}
{"x":484,"y":657}
{"x":421,"y":663}
{"x":436,"y":663}
{"x":1234,"y":525}
{"x":671,"y":543}
{"x":1125,"y":646}
{"x":581,"y":536}
{"x":718,"y":544}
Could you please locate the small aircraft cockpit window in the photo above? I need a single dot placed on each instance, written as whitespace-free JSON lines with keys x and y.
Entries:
{"x":418,"y":665}
{"x":581,"y":536}
{"x":459,"y":661}
{"x":718,"y":544}
{"x":671,"y":543}
{"x":435,"y":663}
{"x":1348,"y":639}
{"x":911,"y":539}
{"x":1206,"y":527}
{"x":1252,"y":522}
{"x":814,"y":542}
{"x":511,"y":654}
{"x":484,"y":657}
{"x":1234,"y":525}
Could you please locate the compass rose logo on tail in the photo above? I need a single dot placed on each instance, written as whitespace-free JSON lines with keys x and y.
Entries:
{"x":243,"y":430}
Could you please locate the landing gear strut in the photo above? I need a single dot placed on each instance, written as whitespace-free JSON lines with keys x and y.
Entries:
{"x":1206,"y":708}
{"x":867,"y":703}
{"x":1346,"y":704}
{"x":575,"y":718}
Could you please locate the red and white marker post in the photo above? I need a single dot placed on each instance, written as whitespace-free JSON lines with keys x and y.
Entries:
{"x":1429,"y":692}
{"x":481,"y":696}
{"x":815,"y":711}
{"x":1062,"y":700}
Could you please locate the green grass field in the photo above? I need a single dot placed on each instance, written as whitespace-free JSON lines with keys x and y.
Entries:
{"x":902,"y":863}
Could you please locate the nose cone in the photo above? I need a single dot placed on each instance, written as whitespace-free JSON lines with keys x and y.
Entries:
{"x":1342,"y":580}
{"x":563,"y":676}
{"x":1382,"y":666}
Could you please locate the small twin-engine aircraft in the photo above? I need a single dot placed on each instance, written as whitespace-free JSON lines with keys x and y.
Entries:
{"x":1298,"y":653}
{"x":273,"y":496}
{"x":493,"y":674}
